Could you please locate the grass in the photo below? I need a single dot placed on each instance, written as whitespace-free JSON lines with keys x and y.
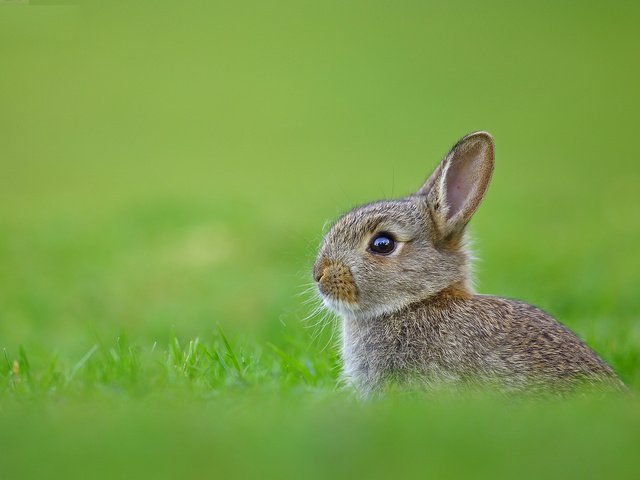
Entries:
{"x":203,"y":367}
{"x":165,"y":175}
{"x":237,"y":410}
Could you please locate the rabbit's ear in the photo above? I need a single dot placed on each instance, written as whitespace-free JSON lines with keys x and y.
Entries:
{"x":456,"y":187}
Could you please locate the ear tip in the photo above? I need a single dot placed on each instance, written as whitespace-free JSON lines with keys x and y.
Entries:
{"x":481,"y":139}
{"x":480,"y":135}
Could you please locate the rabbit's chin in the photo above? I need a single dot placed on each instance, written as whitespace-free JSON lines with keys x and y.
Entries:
{"x":354,"y":311}
{"x":340,"y":307}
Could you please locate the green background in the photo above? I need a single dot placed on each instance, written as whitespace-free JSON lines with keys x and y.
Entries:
{"x":166,"y":169}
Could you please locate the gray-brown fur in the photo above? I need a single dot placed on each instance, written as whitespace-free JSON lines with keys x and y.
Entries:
{"x":471,"y":340}
{"x":412,"y":316}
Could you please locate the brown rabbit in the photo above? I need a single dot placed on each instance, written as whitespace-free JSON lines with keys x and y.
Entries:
{"x":398,"y":273}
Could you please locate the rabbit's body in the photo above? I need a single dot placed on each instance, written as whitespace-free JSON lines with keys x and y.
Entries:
{"x":398,"y":272}
{"x":469,"y":339}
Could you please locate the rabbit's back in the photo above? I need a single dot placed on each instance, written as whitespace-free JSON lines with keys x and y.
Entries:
{"x":470,"y":339}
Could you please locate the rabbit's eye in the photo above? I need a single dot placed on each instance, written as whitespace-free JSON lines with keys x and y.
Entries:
{"x":382,"y":244}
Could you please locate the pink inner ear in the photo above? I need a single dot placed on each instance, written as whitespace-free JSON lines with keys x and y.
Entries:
{"x":462,"y":178}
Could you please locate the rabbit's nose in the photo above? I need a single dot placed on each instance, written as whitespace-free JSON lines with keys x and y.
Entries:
{"x":317,"y":275}
{"x":319,"y":269}
{"x":336,"y":281}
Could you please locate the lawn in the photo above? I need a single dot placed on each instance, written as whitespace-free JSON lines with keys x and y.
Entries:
{"x":166,"y":173}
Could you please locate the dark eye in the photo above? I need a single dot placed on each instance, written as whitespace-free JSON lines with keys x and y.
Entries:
{"x":382,"y":244}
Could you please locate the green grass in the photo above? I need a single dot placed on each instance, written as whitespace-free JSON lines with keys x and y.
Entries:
{"x":165,"y":174}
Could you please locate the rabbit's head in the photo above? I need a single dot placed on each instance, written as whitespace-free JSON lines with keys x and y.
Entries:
{"x":382,"y":256}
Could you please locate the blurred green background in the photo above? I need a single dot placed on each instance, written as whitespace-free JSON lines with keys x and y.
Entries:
{"x":166,"y":170}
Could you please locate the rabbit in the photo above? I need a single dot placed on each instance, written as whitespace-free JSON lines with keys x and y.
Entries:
{"x":398,"y":274}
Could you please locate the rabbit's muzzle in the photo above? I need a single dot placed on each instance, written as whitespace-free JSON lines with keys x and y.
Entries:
{"x":335,"y":281}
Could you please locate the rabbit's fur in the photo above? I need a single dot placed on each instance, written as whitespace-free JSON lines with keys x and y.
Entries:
{"x":411,"y":316}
